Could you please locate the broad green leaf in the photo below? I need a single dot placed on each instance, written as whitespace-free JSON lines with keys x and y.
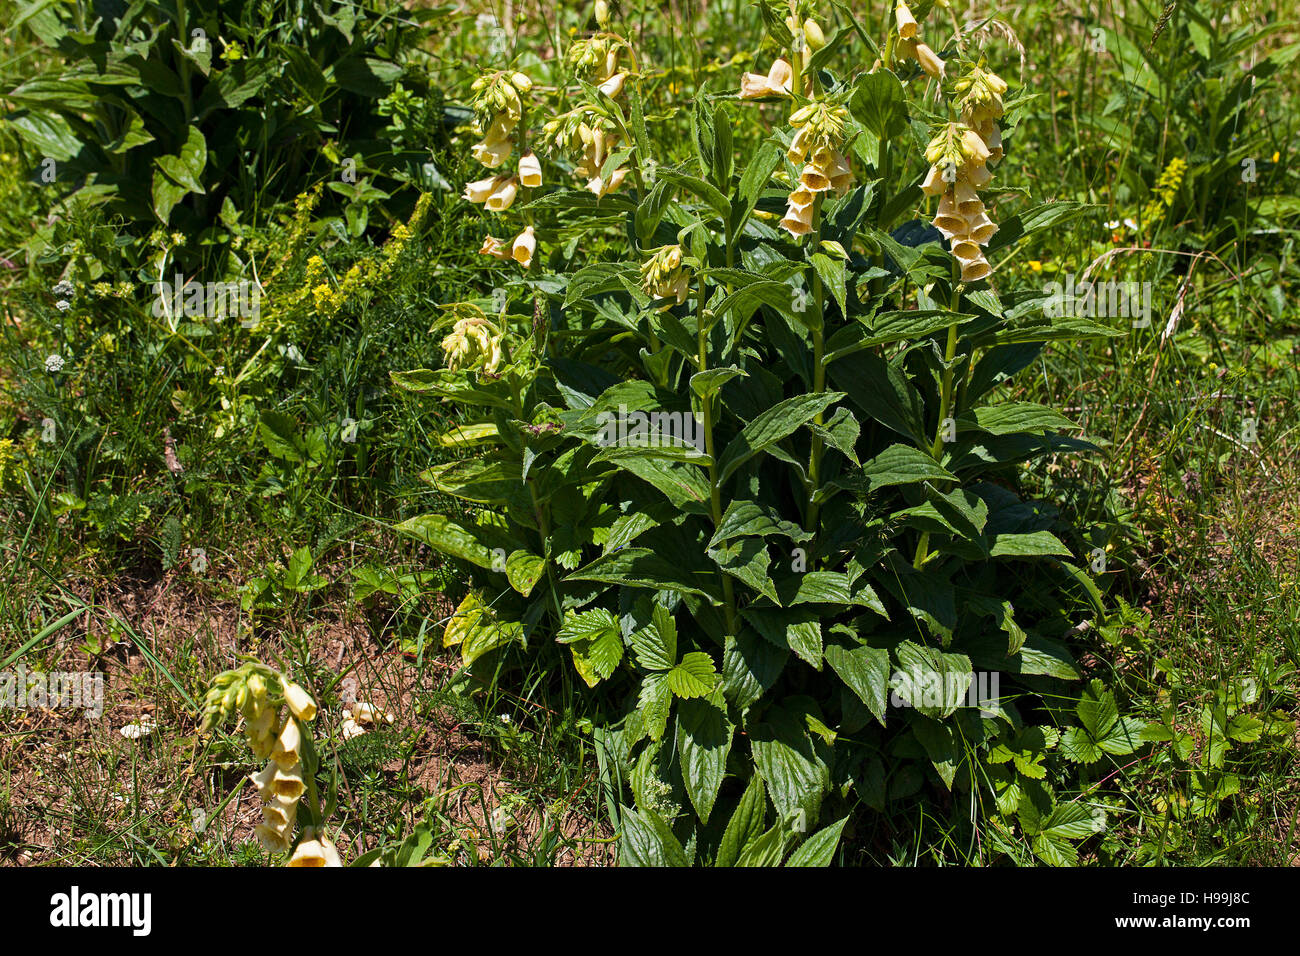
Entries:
{"x":747,"y":560}
{"x":864,"y":669}
{"x":703,"y":742}
{"x":693,"y":677}
{"x":903,"y":465}
{"x":596,"y":642}
{"x":933,"y":682}
{"x":447,"y":537}
{"x":1033,"y":544}
{"x":524,"y":570}
{"x":655,"y":645}
{"x":642,"y":567}
{"x":819,"y":849}
{"x":745,"y":825}
{"x":768,"y":428}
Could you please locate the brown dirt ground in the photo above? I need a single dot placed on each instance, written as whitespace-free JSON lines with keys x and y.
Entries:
{"x":75,"y":791}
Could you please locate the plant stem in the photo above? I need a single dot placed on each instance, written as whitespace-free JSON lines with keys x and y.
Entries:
{"x":819,"y":380}
{"x":715,"y":490}
{"x":945,"y":409}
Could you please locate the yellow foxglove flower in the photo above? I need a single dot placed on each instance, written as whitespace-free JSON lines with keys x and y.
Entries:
{"x":315,"y":850}
{"x":525,"y":245}
{"x":813,"y":179}
{"x":777,"y":82}
{"x":492,"y":153}
{"x":273,"y":839}
{"x":480,"y":190}
{"x":975,"y":269}
{"x":503,"y":196}
{"x":978,"y":176}
{"x":497,"y":248}
{"x":600,"y":186}
{"x":798,"y":219}
{"x":300,"y":703}
{"x":934,"y":184}
{"x":530,"y":170}
{"x":907,"y":25}
{"x":287,"y":745}
{"x":614,"y":85}
{"x":929,"y":60}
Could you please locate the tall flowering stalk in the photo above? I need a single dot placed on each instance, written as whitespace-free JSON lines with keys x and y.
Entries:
{"x":258,"y":696}
{"x":500,"y":109}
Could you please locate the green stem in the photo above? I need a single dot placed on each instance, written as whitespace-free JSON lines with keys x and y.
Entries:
{"x":715,"y":489}
{"x":819,"y":380}
{"x":945,"y":409}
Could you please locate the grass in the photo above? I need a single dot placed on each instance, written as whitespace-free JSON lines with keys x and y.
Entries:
{"x":1196,"y":511}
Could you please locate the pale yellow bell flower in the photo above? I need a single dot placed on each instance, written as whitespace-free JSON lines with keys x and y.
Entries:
{"x":497,"y":248}
{"x":300,"y":703}
{"x":930,"y":61}
{"x":503,"y":196}
{"x":614,"y":85}
{"x":530,"y":170}
{"x":479,"y":190}
{"x":777,"y":82}
{"x":525,"y":245}
{"x":907,"y":25}
{"x":315,"y":850}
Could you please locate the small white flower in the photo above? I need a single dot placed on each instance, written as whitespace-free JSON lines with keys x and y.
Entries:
{"x":54,"y":363}
{"x":1113,"y":224}
{"x":505,"y":718}
{"x":63,"y":305}
{"x":64,"y":289}
{"x":144,"y":728}
{"x":1131,"y":223}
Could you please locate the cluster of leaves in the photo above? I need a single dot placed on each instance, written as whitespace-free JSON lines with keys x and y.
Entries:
{"x":202,"y":116}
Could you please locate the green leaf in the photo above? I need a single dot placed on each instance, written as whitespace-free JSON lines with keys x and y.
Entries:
{"x":765,"y":849}
{"x":186,"y":169}
{"x":819,"y":849}
{"x":883,"y":392}
{"x":864,"y":669}
{"x":654,"y":702}
{"x":745,"y":825}
{"x":903,"y":465}
{"x":699,"y":188}
{"x":705,"y":383}
{"x":524,"y":570}
{"x":750,"y":518}
{"x":642,"y":567}
{"x":447,"y":537}
{"x":693,"y":677}
{"x":747,"y":560}
{"x":879,"y":105}
{"x":647,"y":840}
{"x":703,"y":742}
{"x":655,"y":645}
{"x":795,"y":630}
{"x":1016,"y":417}
{"x":832,"y":276}
{"x":596,"y":642}
{"x":931,"y":681}
{"x":279,"y":433}
{"x":166,"y":194}
{"x":769,"y":427}
{"x":796,"y":776}
{"x":1033,"y":544}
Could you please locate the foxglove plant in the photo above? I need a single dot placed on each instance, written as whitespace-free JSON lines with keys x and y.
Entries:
{"x":784,"y":620}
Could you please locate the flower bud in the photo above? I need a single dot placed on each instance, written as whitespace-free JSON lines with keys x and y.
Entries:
{"x":813,"y":34}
